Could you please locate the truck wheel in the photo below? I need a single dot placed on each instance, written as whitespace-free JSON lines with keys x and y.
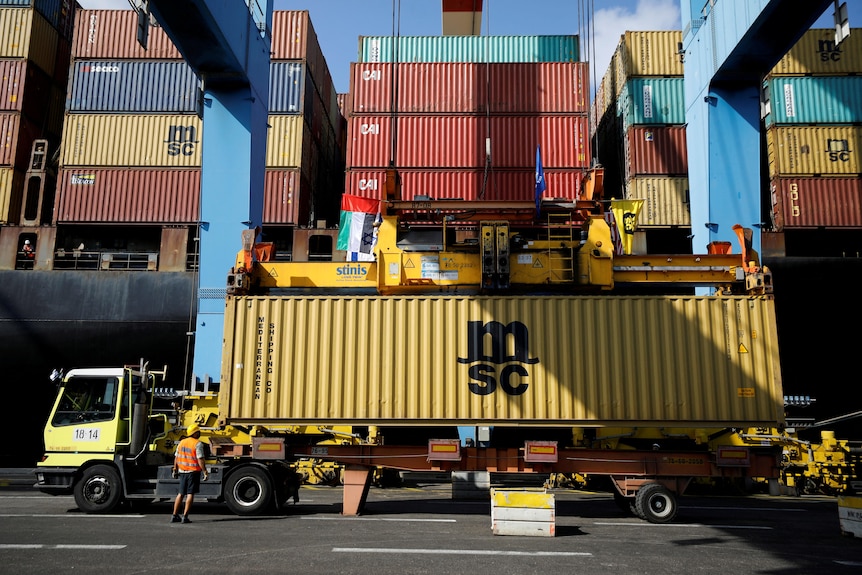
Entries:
{"x":655,"y":503}
{"x":99,"y":490}
{"x":248,"y":491}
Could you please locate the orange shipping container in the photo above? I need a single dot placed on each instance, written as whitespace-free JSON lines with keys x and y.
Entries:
{"x":474,"y":360}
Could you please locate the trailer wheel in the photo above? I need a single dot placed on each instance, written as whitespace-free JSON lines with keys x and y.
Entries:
{"x":248,"y":491}
{"x":655,"y":503}
{"x":99,"y":490}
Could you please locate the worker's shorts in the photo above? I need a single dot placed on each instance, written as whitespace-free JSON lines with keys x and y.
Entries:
{"x":190,"y":482}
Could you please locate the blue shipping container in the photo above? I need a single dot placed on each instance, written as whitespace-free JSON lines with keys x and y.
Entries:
{"x":291,"y":89}
{"x":170,"y":86}
{"x":139,"y":86}
{"x":469,"y":48}
{"x":648,"y":100}
{"x":812,"y":100}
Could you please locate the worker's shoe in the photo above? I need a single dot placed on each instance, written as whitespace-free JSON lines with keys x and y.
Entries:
{"x":186,"y":519}
{"x":175,"y":518}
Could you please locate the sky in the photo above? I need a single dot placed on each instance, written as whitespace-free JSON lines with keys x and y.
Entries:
{"x":339,"y":23}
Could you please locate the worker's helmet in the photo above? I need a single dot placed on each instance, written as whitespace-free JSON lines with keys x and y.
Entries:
{"x":192,"y":429}
{"x":26,"y":242}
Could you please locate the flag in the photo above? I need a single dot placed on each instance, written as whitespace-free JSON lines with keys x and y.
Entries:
{"x":540,"y":180}
{"x":357,"y":233}
{"x":626,"y":215}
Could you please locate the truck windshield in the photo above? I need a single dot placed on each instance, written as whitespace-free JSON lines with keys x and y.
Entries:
{"x":86,"y":399}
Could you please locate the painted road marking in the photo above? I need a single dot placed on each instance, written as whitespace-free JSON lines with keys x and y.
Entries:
{"x":460,"y":552}
{"x":72,"y":515}
{"x":39,"y":546}
{"x":743,"y":508}
{"x":686,"y":525}
{"x":379,"y":519}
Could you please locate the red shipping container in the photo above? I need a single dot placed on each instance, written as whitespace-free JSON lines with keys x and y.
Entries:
{"x":166,"y":195}
{"x":656,"y":150}
{"x":460,"y":141}
{"x":287,"y":197}
{"x":17,"y":134}
{"x":468,"y":185}
{"x":111,"y":34}
{"x":471,"y":88}
{"x":810,"y":202}
{"x":118,"y":195}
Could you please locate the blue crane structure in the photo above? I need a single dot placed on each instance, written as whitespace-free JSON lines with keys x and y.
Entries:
{"x":728,"y":48}
{"x":228,"y":46}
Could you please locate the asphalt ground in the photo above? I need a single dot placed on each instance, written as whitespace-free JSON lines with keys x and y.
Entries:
{"x":417,"y":529}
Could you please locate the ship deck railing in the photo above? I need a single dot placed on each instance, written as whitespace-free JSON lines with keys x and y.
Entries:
{"x":105,"y":260}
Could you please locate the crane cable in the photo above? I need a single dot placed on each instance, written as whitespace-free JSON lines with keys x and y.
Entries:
{"x":396,"y":44}
{"x":487,"y":169}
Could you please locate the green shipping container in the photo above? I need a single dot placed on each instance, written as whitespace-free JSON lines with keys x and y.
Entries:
{"x":486,"y":49}
{"x":506,"y":361}
{"x":652,"y":101}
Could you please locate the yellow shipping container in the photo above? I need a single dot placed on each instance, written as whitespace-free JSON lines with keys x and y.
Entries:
{"x":27,"y":34}
{"x":666,"y":200}
{"x":152,"y":140}
{"x":816,"y":53}
{"x":468,"y":360}
{"x":814,"y":150}
{"x":156,"y":140}
{"x":653,"y":53}
{"x":11,"y":190}
{"x":289,"y":143}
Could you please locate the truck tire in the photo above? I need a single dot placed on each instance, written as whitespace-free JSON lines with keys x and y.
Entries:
{"x":249,"y":491}
{"x":655,"y":503}
{"x":99,"y":490}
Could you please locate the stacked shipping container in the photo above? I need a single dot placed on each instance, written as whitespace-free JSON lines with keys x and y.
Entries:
{"x":640,"y":134}
{"x":812,"y":108}
{"x":131,"y":144}
{"x":461,"y":116}
{"x":33,"y":67}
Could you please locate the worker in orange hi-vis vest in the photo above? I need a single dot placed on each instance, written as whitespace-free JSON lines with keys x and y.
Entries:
{"x":189,"y":465}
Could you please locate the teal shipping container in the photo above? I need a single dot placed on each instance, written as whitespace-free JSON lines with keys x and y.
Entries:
{"x":811,"y":100}
{"x":652,"y":101}
{"x":469,"y":48}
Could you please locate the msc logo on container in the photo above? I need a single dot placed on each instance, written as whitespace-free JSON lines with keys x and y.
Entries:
{"x":838,"y":150}
{"x":828,"y":50}
{"x":181,"y":140}
{"x":504,"y":365}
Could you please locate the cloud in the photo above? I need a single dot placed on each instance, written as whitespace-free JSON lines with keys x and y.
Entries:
{"x":610,"y":23}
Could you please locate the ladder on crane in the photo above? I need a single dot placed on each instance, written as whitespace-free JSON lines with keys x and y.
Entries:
{"x":560,"y":253}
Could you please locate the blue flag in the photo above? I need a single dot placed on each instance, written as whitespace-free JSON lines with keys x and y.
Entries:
{"x":540,"y":179}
